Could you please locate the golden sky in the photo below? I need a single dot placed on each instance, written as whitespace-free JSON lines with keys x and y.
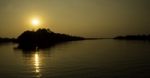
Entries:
{"x":87,"y":18}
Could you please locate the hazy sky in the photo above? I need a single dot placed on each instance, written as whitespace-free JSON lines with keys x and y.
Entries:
{"x":88,"y":18}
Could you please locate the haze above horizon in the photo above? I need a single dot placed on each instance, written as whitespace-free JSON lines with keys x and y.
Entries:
{"x":87,"y":18}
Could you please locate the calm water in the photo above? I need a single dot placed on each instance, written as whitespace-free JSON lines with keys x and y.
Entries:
{"x":79,"y":59}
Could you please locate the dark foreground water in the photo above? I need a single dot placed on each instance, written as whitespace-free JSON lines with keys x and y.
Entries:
{"x":79,"y":59}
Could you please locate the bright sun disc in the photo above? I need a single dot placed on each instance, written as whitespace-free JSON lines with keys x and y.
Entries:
{"x":35,"y":22}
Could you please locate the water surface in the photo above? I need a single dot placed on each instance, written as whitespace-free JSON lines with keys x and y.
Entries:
{"x":78,"y":59}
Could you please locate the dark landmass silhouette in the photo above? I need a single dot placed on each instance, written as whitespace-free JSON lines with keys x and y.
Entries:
{"x":133,"y":37}
{"x":7,"y":40}
{"x":42,"y":38}
{"x":45,"y":38}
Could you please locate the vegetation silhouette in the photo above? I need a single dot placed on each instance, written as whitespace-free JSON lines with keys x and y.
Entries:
{"x":133,"y":37}
{"x":42,"y":38}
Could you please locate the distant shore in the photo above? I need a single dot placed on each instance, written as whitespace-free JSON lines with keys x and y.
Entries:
{"x":133,"y":37}
{"x":44,"y":38}
{"x":7,"y":40}
{"x":127,"y":37}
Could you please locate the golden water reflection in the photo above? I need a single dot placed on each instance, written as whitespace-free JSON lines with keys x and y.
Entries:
{"x":37,"y":63}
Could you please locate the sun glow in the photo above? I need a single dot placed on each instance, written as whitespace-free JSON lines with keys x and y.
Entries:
{"x":35,"y":22}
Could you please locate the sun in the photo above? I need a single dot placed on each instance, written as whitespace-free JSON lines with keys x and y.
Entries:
{"x":35,"y":22}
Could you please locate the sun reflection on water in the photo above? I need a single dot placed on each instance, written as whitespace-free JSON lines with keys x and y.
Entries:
{"x":37,"y":64}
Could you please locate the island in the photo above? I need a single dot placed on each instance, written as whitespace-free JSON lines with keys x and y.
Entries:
{"x":43,"y":38}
